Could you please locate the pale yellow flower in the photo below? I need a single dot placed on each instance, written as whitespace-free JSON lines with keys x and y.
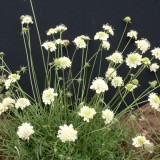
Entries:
{"x":140,"y":141}
{"x":132,"y":34}
{"x":87,"y":113}
{"x":67,"y":133}
{"x":108,"y":28}
{"x":99,"y":85}
{"x":156,"y":53}
{"x":101,"y":36}
{"x":107,"y":115}
{"x":25,"y":131}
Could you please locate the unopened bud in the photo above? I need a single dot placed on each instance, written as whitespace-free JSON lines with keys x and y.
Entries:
{"x":127,"y":19}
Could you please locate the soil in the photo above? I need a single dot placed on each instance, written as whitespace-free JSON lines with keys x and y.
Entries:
{"x":147,"y":123}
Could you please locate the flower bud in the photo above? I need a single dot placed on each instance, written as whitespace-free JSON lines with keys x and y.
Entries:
{"x":1,"y":54}
{"x":69,"y":94}
{"x":127,"y":19}
{"x":79,"y":80}
{"x":153,"y":84}
{"x":132,"y":117}
{"x":135,"y":81}
{"x":146,"y":61}
{"x":87,"y":65}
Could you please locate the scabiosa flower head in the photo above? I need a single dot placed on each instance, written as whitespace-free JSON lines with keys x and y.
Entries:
{"x":101,"y":36}
{"x":62,"y":63}
{"x":22,"y":103}
{"x":108,"y":28}
{"x":156,"y":53}
{"x":143,"y":45}
{"x":66,"y":42}
{"x":130,"y":87}
{"x":127,"y":19}
{"x":154,"y":100}
{"x":99,"y":85}
{"x":116,"y":57}
{"x":3,"y":108}
{"x":26,"y":19}
{"x":146,"y":61}
{"x":7,"y":83}
{"x":133,"y":60}
{"x":106,"y":45}
{"x":79,"y":42}
{"x":48,"y":96}
{"x":25,"y":131}
{"x":117,"y":82}
{"x":107,"y":115}
{"x":14,"y":77}
{"x":149,"y":147}
{"x":59,"y":41}
{"x":51,"y":31}
{"x":132,"y":34}
{"x":67,"y":133}
{"x":8,"y":101}
{"x":86,"y":38}
{"x":61,"y":28}
{"x":111,"y":73}
{"x":140,"y":141}
{"x":154,"y":67}
{"x":49,"y":46}
{"x":87,"y":113}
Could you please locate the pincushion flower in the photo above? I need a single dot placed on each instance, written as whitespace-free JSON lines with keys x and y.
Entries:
{"x":8,"y":101}
{"x":116,"y":57}
{"x":143,"y":45}
{"x":110,"y":73}
{"x":84,"y":37}
{"x":62,"y":63}
{"x":25,"y":131}
{"x":132,"y":34}
{"x":117,"y":82}
{"x":66,"y":42}
{"x":154,"y":100}
{"x":51,"y":31}
{"x":61,"y":28}
{"x":80,"y":43}
{"x":3,"y":108}
{"x":106,"y":45}
{"x":7,"y":83}
{"x":146,"y":61}
{"x":156,"y":53}
{"x":154,"y":67}
{"x":59,"y":42}
{"x":22,"y":103}
{"x":14,"y":77}
{"x":133,"y":60}
{"x":48,"y":96}
{"x":49,"y":46}
{"x":87,"y":113}
{"x":67,"y":133}
{"x":26,"y":19}
{"x":108,"y":28}
{"x":101,"y":36}
{"x":140,"y":141}
{"x":99,"y":85}
{"x":107,"y":115}
{"x":130,"y":87}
